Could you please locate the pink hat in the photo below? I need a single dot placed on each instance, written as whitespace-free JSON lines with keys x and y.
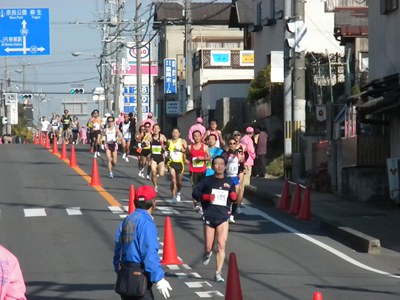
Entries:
{"x":150,"y":115}
{"x":249,"y":129}
{"x":122,"y":113}
{"x":199,"y":120}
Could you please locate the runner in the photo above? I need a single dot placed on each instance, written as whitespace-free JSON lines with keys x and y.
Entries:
{"x":241,"y":149}
{"x":139,"y":145}
{"x":214,"y":151}
{"x":45,"y":126}
{"x":216,"y":193}
{"x":112,"y":135}
{"x":199,"y":155}
{"x":75,"y":130}
{"x":234,"y":162}
{"x":55,"y":122}
{"x":95,"y":124}
{"x":126,"y":128}
{"x":66,"y":122}
{"x":217,"y":133}
{"x":176,"y":149}
{"x":157,"y":155}
{"x":145,"y":140}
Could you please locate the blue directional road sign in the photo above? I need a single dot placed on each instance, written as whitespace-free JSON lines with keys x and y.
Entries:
{"x":169,"y":76}
{"x":24,"y":32}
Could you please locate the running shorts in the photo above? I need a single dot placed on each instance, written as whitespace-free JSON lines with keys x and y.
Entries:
{"x":127,"y":140}
{"x":158,"y":158}
{"x":145,"y":152}
{"x":213,"y":222}
{"x":235,"y":180}
{"x":112,"y":147}
{"x":195,"y":177}
{"x":177,"y":166}
{"x":65,"y":127}
{"x":95,"y":134}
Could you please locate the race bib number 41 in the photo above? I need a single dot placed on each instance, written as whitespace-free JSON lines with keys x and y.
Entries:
{"x":221,"y":197}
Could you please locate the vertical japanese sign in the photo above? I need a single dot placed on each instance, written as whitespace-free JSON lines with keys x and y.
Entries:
{"x":169,"y":76}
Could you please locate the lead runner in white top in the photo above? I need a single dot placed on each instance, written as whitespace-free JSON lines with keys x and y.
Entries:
{"x":113,"y":135}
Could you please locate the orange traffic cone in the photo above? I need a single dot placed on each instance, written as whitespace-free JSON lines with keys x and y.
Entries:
{"x":64,"y":151}
{"x":47,"y":144}
{"x":132,"y":207}
{"x":296,"y":203}
{"x":284,"y":203}
{"x":41,"y":138}
{"x":35,"y":141}
{"x":170,"y":257}
{"x":72,"y":160}
{"x":95,"y":175}
{"x":233,"y":289}
{"x":305,"y":206}
{"x":55,"y":148}
{"x":317,"y":296}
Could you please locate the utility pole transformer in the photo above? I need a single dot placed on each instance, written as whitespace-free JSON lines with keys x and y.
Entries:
{"x":299,"y":102}
{"x":138,"y":66}
{"x":188,"y":54}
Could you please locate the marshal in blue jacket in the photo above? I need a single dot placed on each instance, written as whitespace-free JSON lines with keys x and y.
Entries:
{"x":139,"y":243}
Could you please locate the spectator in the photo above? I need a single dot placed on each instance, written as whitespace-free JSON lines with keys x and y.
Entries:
{"x":133,"y":123}
{"x":12,"y":285}
{"x":82,"y":134}
{"x":248,"y":164}
{"x":261,"y":151}
{"x":255,"y":141}
{"x":149,"y":120}
{"x":120,"y":119}
{"x":196,"y":127}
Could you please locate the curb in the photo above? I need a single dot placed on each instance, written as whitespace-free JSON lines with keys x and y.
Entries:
{"x":350,"y":237}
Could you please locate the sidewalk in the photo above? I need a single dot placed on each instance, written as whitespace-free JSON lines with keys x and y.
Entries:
{"x":353,"y":223}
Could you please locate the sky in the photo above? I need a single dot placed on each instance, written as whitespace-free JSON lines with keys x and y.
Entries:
{"x":57,"y":71}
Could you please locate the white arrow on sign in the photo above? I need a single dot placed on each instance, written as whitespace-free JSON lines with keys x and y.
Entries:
{"x":24,"y":31}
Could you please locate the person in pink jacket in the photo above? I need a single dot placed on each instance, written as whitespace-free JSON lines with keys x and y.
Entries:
{"x":150,"y":121}
{"x":121,"y":118}
{"x":248,"y":164}
{"x":82,"y":134}
{"x":197,"y":127}
{"x":12,"y":285}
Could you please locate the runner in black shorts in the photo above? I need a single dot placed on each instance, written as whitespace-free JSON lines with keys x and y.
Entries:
{"x":145,"y":139}
{"x":157,"y":155}
{"x":66,"y":123}
{"x":216,"y":194}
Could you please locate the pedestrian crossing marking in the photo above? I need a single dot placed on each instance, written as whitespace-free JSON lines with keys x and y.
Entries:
{"x":116,"y":209}
{"x":167,"y":210}
{"x":209,"y":294}
{"x":173,"y":267}
{"x":73,"y":211}
{"x":191,"y":275}
{"x":123,"y":216}
{"x":35,"y":212}
{"x":198,"y":284}
{"x":186,"y":266}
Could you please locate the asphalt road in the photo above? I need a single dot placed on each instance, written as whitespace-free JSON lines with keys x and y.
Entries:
{"x":62,"y":232}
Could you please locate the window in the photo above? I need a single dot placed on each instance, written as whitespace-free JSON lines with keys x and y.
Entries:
{"x":388,"y":6}
{"x":364,"y":61}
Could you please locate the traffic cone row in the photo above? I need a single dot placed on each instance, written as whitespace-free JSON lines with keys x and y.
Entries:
{"x":35,"y":141}
{"x":64,"y":151}
{"x":47,"y":143}
{"x":41,"y":138}
{"x":170,"y":256}
{"x":299,"y":208}
{"x":132,"y":206}
{"x":55,"y":148}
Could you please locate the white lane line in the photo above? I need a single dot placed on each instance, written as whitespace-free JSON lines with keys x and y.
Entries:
{"x":186,"y":178}
{"x":134,"y":157}
{"x":186,"y":267}
{"x":197,"y":284}
{"x":116,"y":209}
{"x":123,"y":216}
{"x":126,"y":208}
{"x":73,"y":211}
{"x":167,"y":210}
{"x":256,"y":212}
{"x":184,"y":275}
{"x":34,"y":212}
{"x":209,"y":294}
{"x":162,"y":244}
{"x":161,"y":251}
{"x":173,"y":267}
{"x":183,"y":201}
{"x":123,"y":200}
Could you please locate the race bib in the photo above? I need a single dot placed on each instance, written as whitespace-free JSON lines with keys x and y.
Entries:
{"x":197,"y":163}
{"x":96,"y":126}
{"x":209,"y":164}
{"x":156,"y":149}
{"x":176,"y":155}
{"x":221,"y":197}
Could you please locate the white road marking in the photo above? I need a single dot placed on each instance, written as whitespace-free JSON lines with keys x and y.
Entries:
{"x":186,"y":267}
{"x":34,"y":212}
{"x":183,"y":201}
{"x":161,"y":251}
{"x":73,"y":211}
{"x":256,"y":212}
{"x":123,"y":216}
{"x":185,"y":178}
{"x":184,"y":275}
{"x":116,"y":209}
{"x":173,"y":267}
{"x":124,"y":200}
{"x":209,"y":294}
{"x":134,"y":157}
{"x":197,"y":284}
{"x":126,"y":208}
{"x":162,"y":244}
{"x":167,"y":210}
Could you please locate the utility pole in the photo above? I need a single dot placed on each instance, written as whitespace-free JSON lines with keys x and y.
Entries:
{"x":8,"y":107}
{"x":299,"y":102}
{"x":188,"y":54}
{"x":107,"y":106}
{"x":288,"y":95}
{"x":117,"y":87}
{"x":138,"y":66}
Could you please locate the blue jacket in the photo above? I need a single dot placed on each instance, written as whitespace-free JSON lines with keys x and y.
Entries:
{"x":140,"y":244}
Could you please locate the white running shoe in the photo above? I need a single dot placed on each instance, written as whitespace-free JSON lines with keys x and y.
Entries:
{"x":206,"y":258}
{"x":95,"y":155}
{"x":199,"y":209}
{"x":140,"y":174}
{"x":148,"y":177}
{"x":102,"y":147}
{"x":158,"y":175}
{"x":218,"y":277}
{"x":111,"y":175}
{"x":232,"y":219}
{"x":98,"y":154}
{"x":123,"y":156}
{"x":127,"y":159}
{"x":173,"y":200}
{"x":156,"y":189}
{"x":178,"y":197}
